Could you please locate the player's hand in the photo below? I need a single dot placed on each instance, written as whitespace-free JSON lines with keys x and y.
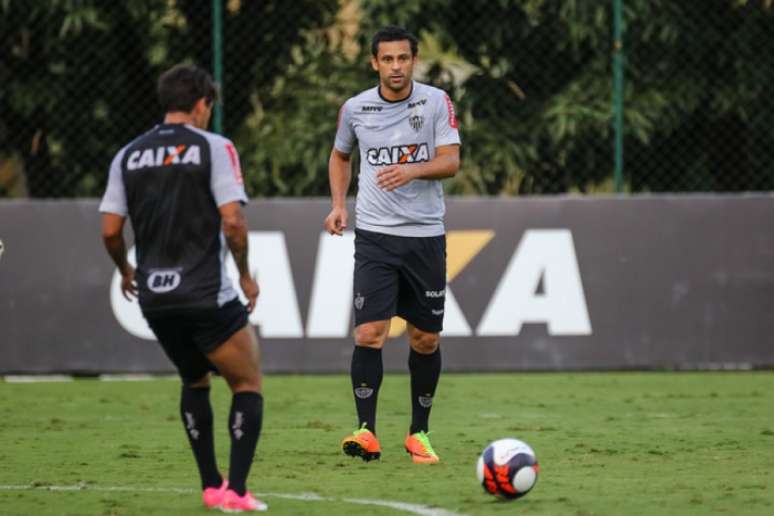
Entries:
{"x":128,"y":285}
{"x":251,"y":290}
{"x":336,"y":221}
{"x":394,"y":176}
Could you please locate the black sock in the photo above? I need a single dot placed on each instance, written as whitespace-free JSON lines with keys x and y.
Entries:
{"x":366,"y":375}
{"x":425,"y":371}
{"x":196,"y":413}
{"x":244,"y":426}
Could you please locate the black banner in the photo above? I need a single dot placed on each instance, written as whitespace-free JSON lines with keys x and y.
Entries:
{"x":556,"y":283}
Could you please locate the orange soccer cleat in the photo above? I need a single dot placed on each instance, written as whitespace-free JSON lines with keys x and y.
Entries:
{"x":420,"y":449}
{"x":362,"y":443}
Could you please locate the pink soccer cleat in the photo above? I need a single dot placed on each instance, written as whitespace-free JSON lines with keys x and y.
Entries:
{"x":232,"y":502}
{"x":213,"y":496}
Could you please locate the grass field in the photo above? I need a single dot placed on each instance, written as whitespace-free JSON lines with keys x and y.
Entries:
{"x":608,"y":444}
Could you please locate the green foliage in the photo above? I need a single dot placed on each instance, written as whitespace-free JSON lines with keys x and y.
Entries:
{"x":708,"y":63}
{"x":531,"y":80}
{"x":71,"y":91}
{"x":285,"y":147}
{"x":80,"y":78}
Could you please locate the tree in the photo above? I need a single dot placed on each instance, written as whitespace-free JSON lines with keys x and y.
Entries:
{"x":80,"y":75}
{"x":67,"y":89}
{"x":531,"y":80}
{"x":697,"y":73}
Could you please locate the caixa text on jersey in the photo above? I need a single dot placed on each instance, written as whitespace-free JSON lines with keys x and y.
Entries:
{"x":411,"y":153}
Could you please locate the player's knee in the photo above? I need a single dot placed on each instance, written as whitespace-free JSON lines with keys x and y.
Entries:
{"x":199,"y":383}
{"x":424,"y":343}
{"x":244,"y":379}
{"x":246,"y":384}
{"x":370,"y":335}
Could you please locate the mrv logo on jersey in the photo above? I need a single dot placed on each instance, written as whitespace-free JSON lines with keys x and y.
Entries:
{"x":540,"y":284}
{"x":412,"y":153}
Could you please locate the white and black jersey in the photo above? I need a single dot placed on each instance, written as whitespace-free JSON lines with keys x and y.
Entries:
{"x":170,"y":182}
{"x":391,"y":133}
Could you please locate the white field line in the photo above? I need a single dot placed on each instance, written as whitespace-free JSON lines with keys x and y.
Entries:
{"x":37,"y":378}
{"x":421,"y":510}
{"x":402,"y":506}
{"x":135,"y":377}
{"x":44,"y":378}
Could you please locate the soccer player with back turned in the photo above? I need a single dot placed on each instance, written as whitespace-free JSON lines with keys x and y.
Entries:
{"x":408,"y":140}
{"x":181,"y":186}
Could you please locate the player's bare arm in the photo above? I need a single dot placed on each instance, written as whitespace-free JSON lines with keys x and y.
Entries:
{"x":235,"y":231}
{"x":113,"y":238}
{"x":445,"y":164}
{"x":339,"y":176}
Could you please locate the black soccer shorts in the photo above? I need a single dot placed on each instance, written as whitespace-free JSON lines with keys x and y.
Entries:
{"x":187,"y":337}
{"x":404,"y":276}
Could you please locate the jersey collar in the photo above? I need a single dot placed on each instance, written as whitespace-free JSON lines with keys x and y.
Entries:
{"x":411,"y":92}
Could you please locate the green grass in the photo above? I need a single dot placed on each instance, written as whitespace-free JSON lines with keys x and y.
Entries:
{"x":608,"y":444}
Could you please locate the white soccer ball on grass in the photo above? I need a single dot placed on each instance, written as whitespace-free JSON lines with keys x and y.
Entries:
{"x":507,"y":469}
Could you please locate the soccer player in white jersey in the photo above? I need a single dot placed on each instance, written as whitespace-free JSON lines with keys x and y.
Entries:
{"x":408,"y":140}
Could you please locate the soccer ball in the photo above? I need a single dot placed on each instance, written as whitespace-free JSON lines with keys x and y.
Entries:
{"x":508,"y":469}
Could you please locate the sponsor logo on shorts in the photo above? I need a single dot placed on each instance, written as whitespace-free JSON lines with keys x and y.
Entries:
{"x":437,"y":312}
{"x":363,"y":392}
{"x":359,"y":302}
{"x":435,"y":293}
{"x":164,"y":280}
{"x":411,"y":153}
{"x":425,"y":401}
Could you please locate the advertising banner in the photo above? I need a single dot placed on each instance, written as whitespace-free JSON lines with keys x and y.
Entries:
{"x":555,"y":283}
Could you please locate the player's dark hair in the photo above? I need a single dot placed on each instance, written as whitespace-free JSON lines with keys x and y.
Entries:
{"x":393,"y":33}
{"x":182,"y":85}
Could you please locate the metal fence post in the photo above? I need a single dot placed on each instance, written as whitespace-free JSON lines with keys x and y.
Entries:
{"x":618,"y":92}
{"x":217,"y":63}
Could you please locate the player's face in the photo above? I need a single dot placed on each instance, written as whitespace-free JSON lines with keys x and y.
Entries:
{"x":395,"y":65}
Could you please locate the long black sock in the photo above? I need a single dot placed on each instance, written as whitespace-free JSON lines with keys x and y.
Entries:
{"x":425,"y":371}
{"x":244,"y":425}
{"x":366,"y":375}
{"x":196,"y":413}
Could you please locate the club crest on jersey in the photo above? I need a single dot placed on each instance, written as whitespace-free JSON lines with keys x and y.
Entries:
{"x":412,"y":153}
{"x":416,"y":122}
{"x":163,"y":156}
